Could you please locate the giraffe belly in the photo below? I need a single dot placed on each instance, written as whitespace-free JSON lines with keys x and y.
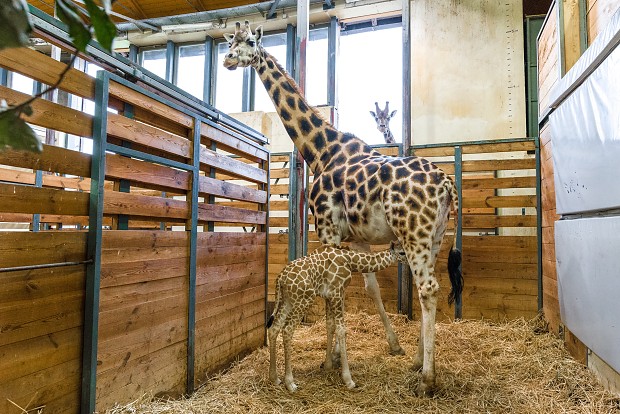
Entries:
{"x":372,"y":230}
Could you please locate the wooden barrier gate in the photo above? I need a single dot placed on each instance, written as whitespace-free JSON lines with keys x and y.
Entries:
{"x":113,"y":279}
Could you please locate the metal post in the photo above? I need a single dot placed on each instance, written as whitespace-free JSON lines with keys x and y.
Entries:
{"x":170,"y":61}
{"x":266,"y":165}
{"x":36,"y":218}
{"x":332,"y":45}
{"x":192,"y":226}
{"x":407,"y":63}
{"x":583,"y":25}
{"x":208,"y":71}
{"x":290,"y":49}
{"x":4,"y":77}
{"x":133,"y":53}
{"x":539,"y":223}
{"x":298,"y":192}
{"x":458,"y":175}
{"x":95,"y":224}
{"x":247,"y":99}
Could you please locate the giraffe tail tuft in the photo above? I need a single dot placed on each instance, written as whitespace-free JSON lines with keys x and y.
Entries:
{"x":270,"y":321}
{"x":455,"y":257}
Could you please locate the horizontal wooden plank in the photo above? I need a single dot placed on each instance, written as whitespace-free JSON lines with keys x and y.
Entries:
{"x":131,"y":130}
{"x":232,"y":166}
{"x":229,"y":190}
{"x":499,"y":201}
{"x":492,"y":221}
{"x":52,"y":159}
{"x":498,"y":165}
{"x":42,"y":68}
{"x":137,"y":99}
{"x":466,"y":148}
{"x":499,"y":183}
{"x":231,"y":143}
{"x":50,"y":115}
{"x":142,"y":172}
{"x":212,"y":212}
{"x":33,"y":200}
{"x":144,"y":206}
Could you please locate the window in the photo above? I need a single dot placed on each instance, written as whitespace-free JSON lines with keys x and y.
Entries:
{"x":22,"y":83}
{"x":190,"y":69}
{"x":154,"y":60}
{"x":276,"y":46}
{"x":316,"y":67}
{"x":228,"y":84}
{"x":369,"y":71}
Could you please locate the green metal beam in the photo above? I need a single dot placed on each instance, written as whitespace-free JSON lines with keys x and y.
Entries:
{"x":458,"y":175}
{"x":539,"y":224}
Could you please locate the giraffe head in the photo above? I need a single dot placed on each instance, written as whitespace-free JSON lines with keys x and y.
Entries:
{"x":382,"y":117}
{"x":243,"y":46}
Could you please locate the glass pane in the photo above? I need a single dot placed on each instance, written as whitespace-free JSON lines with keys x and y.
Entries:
{"x":276,"y":46}
{"x":190,"y":71}
{"x":381,"y":77}
{"x":228,"y":84}
{"x":22,"y":83}
{"x":316,"y":67}
{"x":155,"y":61}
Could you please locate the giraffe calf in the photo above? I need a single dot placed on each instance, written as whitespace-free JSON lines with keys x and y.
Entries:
{"x":326,"y":273}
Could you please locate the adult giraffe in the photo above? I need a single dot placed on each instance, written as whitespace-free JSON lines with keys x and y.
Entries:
{"x":360,"y":195}
{"x":382,"y":118}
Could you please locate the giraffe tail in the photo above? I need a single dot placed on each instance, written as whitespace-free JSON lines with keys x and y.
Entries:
{"x":277,"y":304}
{"x":454,"y":257}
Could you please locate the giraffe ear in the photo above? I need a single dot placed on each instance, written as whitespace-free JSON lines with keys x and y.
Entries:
{"x":258,"y":32}
{"x":373,"y":114}
{"x":393,"y":113}
{"x":229,"y":37}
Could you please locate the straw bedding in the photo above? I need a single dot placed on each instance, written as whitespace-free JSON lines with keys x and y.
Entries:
{"x":482,"y":367}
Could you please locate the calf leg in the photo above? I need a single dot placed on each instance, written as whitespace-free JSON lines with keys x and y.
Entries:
{"x":341,"y":333}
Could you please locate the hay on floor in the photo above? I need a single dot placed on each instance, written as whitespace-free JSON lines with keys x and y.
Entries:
{"x":482,"y":367}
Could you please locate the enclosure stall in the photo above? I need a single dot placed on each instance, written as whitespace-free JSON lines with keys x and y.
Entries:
{"x":579,"y":137}
{"x":113,"y":281}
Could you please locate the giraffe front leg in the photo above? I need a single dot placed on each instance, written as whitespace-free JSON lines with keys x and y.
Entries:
{"x":372,"y":288}
{"x":419,"y":357}
{"x":329,"y":323}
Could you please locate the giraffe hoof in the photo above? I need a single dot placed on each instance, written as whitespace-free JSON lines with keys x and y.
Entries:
{"x":416,"y":366}
{"x":397,"y":351}
{"x":292,"y":387}
{"x":350,"y":385}
{"x":276,"y":381}
{"x":424,"y":390}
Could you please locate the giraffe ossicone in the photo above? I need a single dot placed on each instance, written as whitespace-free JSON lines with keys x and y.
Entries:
{"x":362,"y":196}
{"x":326,"y":273}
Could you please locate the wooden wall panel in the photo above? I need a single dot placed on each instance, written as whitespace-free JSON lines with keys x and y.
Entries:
{"x":230,"y":298}
{"x":598,"y":14}
{"x":41,"y":316}
{"x":548,"y":59}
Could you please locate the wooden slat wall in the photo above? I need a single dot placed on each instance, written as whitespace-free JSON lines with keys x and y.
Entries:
{"x":548,"y":59}
{"x":143,"y":315}
{"x":499,"y":241}
{"x":598,"y":14}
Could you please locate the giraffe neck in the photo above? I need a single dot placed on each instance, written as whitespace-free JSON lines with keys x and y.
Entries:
{"x":388,"y":137}
{"x":371,"y":262}
{"x":317,"y":140}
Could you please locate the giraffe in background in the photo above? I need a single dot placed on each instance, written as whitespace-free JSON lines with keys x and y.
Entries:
{"x":382,"y":118}
{"x":326,"y":272}
{"x":360,"y":195}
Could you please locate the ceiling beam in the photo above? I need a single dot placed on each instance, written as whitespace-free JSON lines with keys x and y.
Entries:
{"x":271,"y":14}
{"x":134,"y":4}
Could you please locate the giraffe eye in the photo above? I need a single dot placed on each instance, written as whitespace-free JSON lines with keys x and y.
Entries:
{"x":251,"y":43}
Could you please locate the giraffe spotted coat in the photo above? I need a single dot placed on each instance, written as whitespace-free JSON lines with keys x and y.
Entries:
{"x":325,"y":273}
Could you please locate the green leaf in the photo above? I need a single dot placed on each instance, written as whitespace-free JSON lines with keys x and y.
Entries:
{"x":14,"y":23}
{"x":78,"y":31}
{"x":104,"y":28}
{"x":16,"y":134}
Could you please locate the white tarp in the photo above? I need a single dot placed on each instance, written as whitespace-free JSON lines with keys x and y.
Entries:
{"x":586,"y":136}
{"x":588,"y":264}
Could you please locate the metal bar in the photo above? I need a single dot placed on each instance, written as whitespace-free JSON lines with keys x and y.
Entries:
{"x":207,"y":88}
{"x":377,"y":24}
{"x":42,"y":266}
{"x":407,"y":63}
{"x":583,"y":25}
{"x":124,"y":186}
{"x":479,"y":142}
{"x":539,"y":223}
{"x":266,"y":165}
{"x":458,"y":175}
{"x":36,"y":218}
{"x":562,"y":41}
{"x":328,"y":5}
{"x":193,"y":251}
{"x":133,"y":53}
{"x":290,"y":49}
{"x":95,"y":224}
{"x":332,"y":54}
{"x":271,"y":14}
{"x":170,"y":61}
{"x":292,"y":217}
{"x":148,"y":157}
